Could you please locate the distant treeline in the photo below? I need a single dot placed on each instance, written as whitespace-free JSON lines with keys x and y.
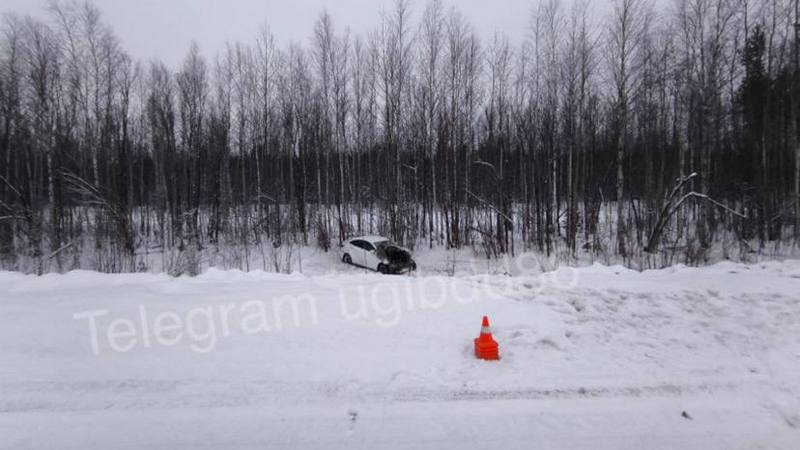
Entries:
{"x":647,"y":134}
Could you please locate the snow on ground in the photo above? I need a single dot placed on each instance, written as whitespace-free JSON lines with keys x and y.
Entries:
{"x":597,"y":357}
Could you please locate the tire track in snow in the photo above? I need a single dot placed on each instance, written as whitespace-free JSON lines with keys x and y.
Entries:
{"x":160,"y":394}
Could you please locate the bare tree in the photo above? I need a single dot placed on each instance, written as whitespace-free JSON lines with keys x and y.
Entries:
{"x":430,"y":98}
{"x":192,"y":84}
{"x":627,"y":27}
{"x":394,"y":62}
{"x":795,"y":118}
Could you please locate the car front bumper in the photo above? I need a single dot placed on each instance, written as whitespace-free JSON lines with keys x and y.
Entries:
{"x":399,"y":269}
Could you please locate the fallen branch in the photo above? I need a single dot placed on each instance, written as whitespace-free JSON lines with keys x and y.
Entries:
{"x":490,"y":206}
{"x":671,"y":206}
{"x":666,"y":212}
{"x":10,"y":186}
{"x":55,"y":253}
{"x":714,"y":202}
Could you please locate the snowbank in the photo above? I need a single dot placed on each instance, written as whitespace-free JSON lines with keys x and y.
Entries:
{"x":598,"y":356}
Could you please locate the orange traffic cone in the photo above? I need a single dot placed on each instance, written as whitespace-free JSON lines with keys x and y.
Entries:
{"x":485,"y":345}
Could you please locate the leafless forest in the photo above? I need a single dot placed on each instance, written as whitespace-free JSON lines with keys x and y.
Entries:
{"x":650,"y":134}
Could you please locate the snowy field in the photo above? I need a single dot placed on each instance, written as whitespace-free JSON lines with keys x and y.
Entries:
{"x":596,"y":357}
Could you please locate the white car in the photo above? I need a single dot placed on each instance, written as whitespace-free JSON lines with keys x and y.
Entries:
{"x":377,"y":253}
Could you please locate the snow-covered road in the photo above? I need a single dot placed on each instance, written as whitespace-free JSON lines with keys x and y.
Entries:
{"x":598,"y":357}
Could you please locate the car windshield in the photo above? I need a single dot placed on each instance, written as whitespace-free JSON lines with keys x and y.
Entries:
{"x":382,"y":244}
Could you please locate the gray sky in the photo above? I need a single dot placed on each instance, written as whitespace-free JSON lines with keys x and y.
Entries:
{"x":164,"y":28}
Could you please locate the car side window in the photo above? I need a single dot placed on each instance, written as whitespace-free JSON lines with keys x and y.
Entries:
{"x":368,"y":246}
{"x":360,"y":244}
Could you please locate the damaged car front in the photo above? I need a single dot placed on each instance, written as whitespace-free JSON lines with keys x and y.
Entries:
{"x":395,"y":259}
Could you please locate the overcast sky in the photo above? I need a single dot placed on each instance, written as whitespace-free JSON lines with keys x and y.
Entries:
{"x":164,"y":28}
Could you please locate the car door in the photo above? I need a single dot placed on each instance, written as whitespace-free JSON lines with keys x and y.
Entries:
{"x":371,"y":259}
{"x":359,"y":252}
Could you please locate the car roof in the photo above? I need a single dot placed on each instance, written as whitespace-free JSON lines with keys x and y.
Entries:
{"x":372,"y":239}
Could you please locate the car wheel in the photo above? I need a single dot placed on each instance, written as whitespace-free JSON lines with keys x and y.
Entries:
{"x":382,"y":269}
{"x":347,"y":259}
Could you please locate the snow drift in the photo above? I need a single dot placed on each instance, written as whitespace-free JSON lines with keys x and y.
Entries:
{"x":599,"y":356}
